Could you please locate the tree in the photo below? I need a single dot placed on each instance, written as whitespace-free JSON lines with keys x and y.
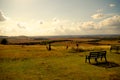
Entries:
{"x":4,"y":41}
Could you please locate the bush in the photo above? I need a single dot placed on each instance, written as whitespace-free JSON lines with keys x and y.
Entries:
{"x":4,"y":41}
{"x":75,"y":50}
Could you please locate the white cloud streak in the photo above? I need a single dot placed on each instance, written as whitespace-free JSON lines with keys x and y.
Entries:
{"x":99,"y":10}
{"x":21,"y":25}
{"x":88,"y":25}
{"x":57,"y":26}
{"x":98,"y":16}
{"x":2,"y":16}
{"x":112,"y":5}
{"x":111,"y":21}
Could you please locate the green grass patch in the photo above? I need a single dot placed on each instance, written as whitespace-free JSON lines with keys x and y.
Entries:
{"x":36,"y":63}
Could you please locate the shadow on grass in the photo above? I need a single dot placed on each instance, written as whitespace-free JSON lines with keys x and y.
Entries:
{"x":12,"y":59}
{"x":107,"y":64}
{"x":115,"y":52}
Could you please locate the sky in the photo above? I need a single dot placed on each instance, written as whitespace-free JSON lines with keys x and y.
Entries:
{"x":59,"y":17}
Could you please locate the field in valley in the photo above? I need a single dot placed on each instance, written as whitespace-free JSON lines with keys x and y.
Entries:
{"x":35,"y":62}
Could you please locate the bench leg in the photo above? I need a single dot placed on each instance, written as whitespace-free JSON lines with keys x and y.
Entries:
{"x":101,"y":58}
{"x":96,"y":60}
{"x":105,"y":59}
{"x":89,"y":60}
{"x":85,"y":60}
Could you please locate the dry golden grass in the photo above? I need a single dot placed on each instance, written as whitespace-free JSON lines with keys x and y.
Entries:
{"x":109,"y":42}
{"x":35,"y":62}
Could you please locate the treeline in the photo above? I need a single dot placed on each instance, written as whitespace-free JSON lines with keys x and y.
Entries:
{"x":40,"y":43}
{"x":111,"y":38}
{"x":96,"y":40}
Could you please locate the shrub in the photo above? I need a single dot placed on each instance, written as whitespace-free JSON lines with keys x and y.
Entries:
{"x":74,"y":50}
{"x":4,"y":41}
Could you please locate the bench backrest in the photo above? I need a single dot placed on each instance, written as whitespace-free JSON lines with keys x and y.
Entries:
{"x":102,"y":53}
{"x":94,"y":54}
{"x":115,"y":47}
{"x":98,"y":54}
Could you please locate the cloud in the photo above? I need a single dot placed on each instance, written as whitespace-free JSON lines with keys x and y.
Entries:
{"x":98,"y":16}
{"x":21,"y":25}
{"x":108,"y":25}
{"x":112,"y":5}
{"x":111,"y":21}
{"x":65,"y":27}
{"x":89,"y":25}
{"x":63,"y":30}
{"x":40,"y":22}
{"x":99,"y":10}
{"x":2,"y":16}
{"x":55,"y":21}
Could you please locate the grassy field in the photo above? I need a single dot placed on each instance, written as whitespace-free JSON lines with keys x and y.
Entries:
{"x":35,"y":62}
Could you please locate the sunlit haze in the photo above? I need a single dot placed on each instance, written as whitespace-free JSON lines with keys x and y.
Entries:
{"x":59,"y":17}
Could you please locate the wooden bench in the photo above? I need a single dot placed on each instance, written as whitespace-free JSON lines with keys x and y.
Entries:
{"x":96,"y":55}
{"x":115,"y":47}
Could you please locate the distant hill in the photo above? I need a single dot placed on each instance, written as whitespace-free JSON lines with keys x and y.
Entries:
{"x":64,"y":36}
